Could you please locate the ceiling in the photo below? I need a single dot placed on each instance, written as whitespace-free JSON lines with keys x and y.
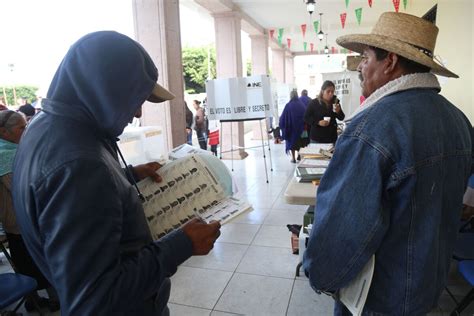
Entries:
{"x":291,"y":14}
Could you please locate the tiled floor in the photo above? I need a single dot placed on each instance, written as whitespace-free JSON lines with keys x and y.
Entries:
{"x":251,"y":270}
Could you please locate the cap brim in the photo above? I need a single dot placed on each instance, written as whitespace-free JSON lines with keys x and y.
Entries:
{"x":160,"y":94}
{"x":358,"y":42}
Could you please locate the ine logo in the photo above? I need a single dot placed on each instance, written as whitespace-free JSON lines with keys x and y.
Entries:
{"x":254,"y":85}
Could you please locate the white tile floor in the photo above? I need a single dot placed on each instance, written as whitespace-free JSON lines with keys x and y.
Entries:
{"x":251,"y":270}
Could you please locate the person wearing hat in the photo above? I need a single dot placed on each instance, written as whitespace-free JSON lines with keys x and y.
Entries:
{"x":80,"y":214}
{"x":395,"y":184}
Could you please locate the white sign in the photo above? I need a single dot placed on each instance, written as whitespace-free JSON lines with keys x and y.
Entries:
{"x":348,"y":89}
{"x":239,"y":98}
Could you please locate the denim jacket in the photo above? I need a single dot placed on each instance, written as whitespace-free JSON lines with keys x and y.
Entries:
{"x":394,"y":188}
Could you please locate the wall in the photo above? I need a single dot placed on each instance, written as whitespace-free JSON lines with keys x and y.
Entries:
{"x":455,"y":46}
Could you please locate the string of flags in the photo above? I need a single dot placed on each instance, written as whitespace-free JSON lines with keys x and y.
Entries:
{"x":316,"y":25}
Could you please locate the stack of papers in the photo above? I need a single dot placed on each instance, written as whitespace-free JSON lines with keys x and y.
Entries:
{"x":315,"y":150}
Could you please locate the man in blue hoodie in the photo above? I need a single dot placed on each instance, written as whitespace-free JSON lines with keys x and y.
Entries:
{"x":80,"y":215}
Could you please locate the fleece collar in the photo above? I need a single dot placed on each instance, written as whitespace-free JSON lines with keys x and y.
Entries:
{"x":406,"y":82}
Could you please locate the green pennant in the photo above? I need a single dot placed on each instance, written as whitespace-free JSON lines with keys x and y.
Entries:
{"x":280,"y":35}
{"x":316,"y":26}
{"x":304,"y":45}
{"x":347,"y":3}
{"x":280,"y":32}
{"x":405,"y":4}
{"x":358,"y":15}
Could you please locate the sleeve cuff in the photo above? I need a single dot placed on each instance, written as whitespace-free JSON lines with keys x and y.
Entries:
{"x":180,"y":248}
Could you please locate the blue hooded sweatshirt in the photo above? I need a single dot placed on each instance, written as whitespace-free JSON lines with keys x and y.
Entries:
{"x":81,"y":219}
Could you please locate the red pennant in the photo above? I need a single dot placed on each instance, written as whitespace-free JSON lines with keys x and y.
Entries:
{"x":333,"y":50}
{"x":271,"y":33}
{"x":396,"y":4}
{"x":303,"y":29}
{"x":370,"y":3}
{"x":288,"y":41}
{"x":343,"y":19}
{"x":312,"y":46}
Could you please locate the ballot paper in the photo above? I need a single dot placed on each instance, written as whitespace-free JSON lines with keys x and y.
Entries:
{"x":192,"y":186}
{"x":313,"y":162}
{"x":355,"y":294}
{"x":186,"y":150}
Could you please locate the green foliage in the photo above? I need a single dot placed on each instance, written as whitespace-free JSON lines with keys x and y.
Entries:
{"x":195,"y":67}
{"x":21,"y":91}
{"x":248,"y":67}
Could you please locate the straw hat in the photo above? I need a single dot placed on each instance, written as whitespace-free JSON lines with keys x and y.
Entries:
{"x":403,"y":34}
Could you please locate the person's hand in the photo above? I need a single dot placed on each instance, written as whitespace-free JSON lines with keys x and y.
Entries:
{"x":202,"y":235}
{"x":323,"y":123}
{"x":337,"y":108}
{"x":147,"y":170}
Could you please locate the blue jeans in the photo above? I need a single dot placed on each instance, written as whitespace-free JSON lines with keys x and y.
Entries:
{"x":202,"y":139}
{"x":189,"y":137}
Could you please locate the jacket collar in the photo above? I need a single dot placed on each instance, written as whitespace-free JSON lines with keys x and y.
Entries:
{"x":406,"y":82}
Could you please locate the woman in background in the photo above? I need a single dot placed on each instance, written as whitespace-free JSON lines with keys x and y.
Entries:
{"x":292,"y":126}
{"x":189,"y":124}
{"x":12,"y":125}
{"x":322,"y":113}
{"x":200,"y":125}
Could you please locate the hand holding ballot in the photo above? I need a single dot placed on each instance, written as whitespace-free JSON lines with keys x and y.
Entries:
{"x":147,"y":170}
{"x":202,"y":235}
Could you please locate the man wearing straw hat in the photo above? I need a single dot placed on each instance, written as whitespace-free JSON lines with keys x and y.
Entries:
{"x":395,"y":184}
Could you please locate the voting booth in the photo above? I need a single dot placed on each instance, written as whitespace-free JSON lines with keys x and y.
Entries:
{"x":240,"y":99}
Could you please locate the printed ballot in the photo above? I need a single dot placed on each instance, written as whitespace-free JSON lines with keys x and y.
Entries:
{"x":193,"y":186}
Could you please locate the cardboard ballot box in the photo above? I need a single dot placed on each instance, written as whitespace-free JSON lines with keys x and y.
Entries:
{"x":142,"y":144}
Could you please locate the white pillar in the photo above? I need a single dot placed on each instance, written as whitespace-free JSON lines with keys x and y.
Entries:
{"x":289,"y":69}
{"x":278,"y":64}
{"x":227,"y":27}
{"x":259,"y":46}
{"x":157,"y":29}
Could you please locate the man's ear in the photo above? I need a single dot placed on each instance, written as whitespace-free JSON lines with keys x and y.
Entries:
{"x":391,"y":63}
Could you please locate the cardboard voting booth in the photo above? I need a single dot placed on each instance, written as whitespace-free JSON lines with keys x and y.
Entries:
{"x":241,"y":99}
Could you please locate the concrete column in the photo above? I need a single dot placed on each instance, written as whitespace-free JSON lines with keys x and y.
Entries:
{"x":289,"y":69}
{"x":157,"y":29}
{"x":227,"y":27}
{"x":278,"y":64}
{"x":259,"y":46}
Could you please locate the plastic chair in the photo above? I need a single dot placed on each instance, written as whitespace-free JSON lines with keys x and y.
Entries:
{"x":14,"y":287}
{"x":464,"y":248}
{"x":466,"y":268}
{"x":3,"y":241}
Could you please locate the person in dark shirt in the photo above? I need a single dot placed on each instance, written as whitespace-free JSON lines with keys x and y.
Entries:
{"x":321,"y":115}
{"x":26,"y":108}
{"x":304,"y":97}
